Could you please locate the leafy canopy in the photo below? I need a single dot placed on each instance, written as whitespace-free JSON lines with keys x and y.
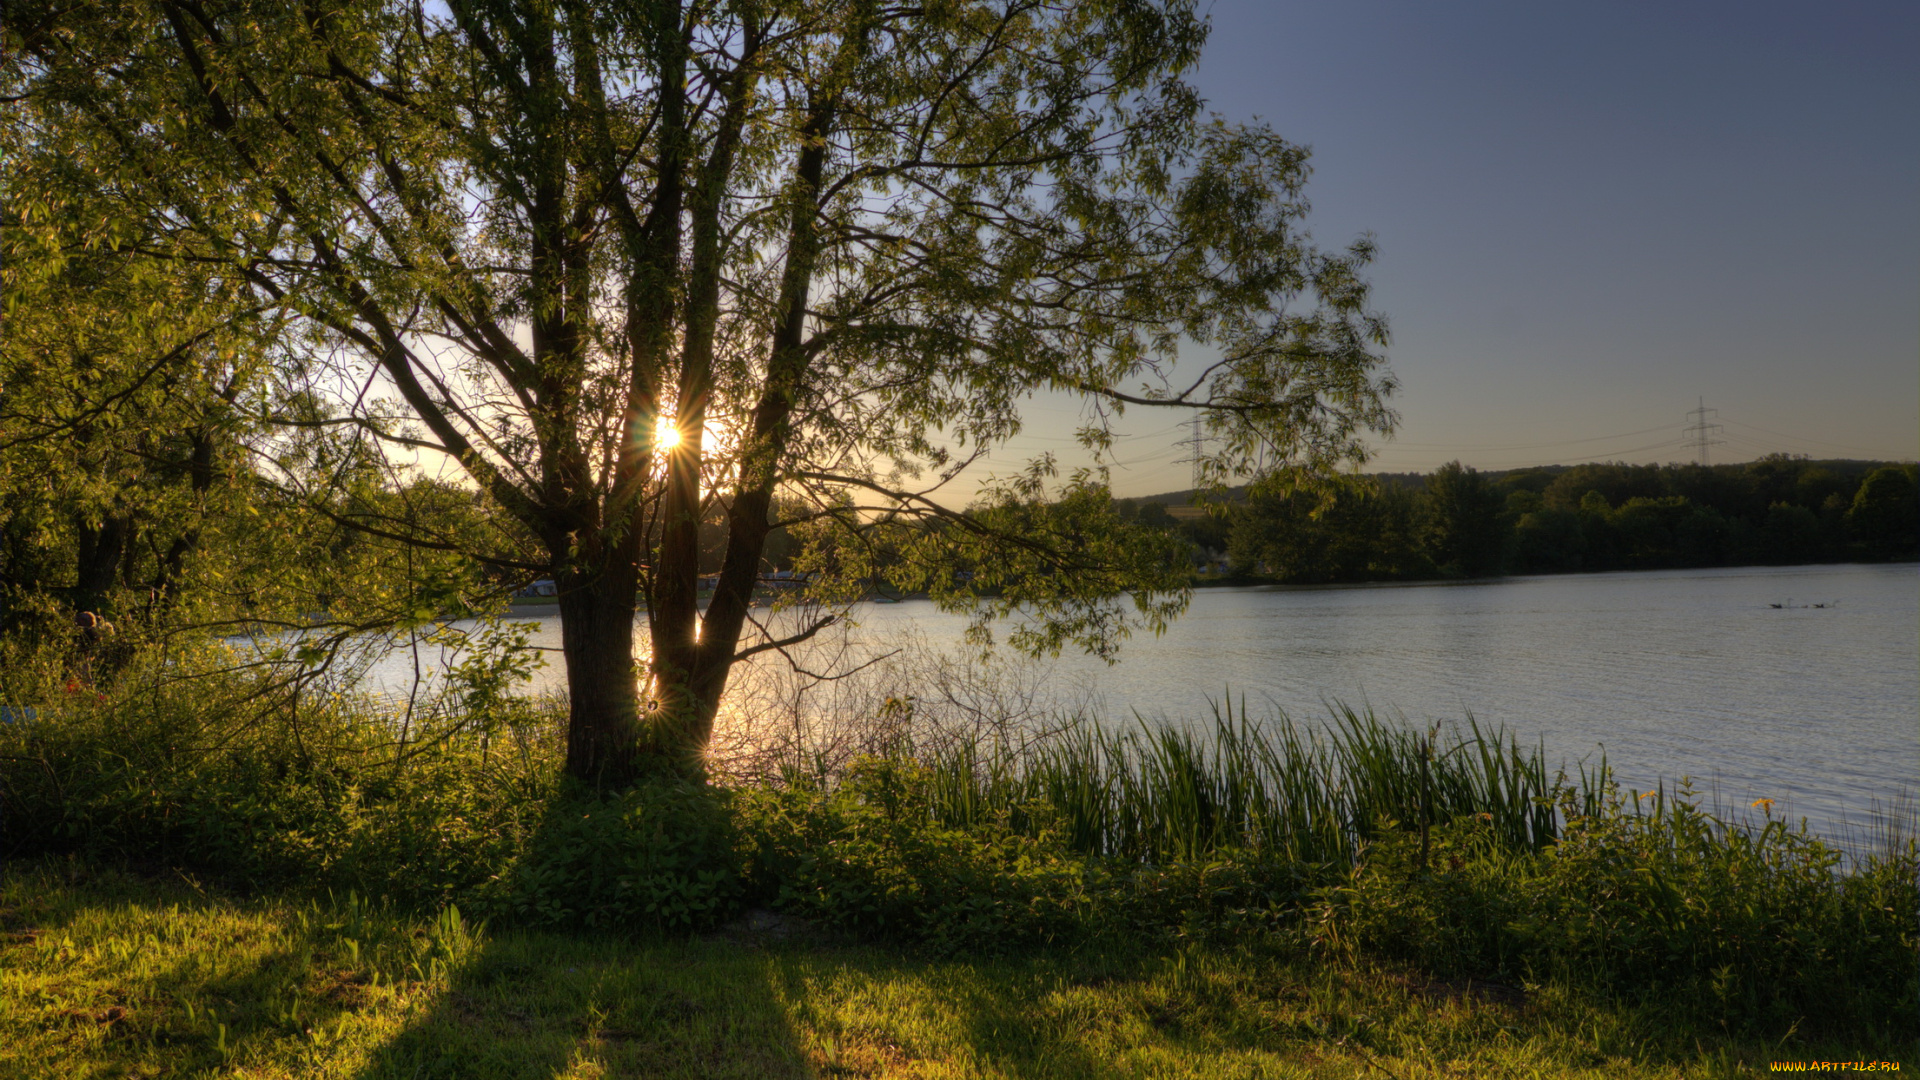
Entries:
{"x":832,"y":246}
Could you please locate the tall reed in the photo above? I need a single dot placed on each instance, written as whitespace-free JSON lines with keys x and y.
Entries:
{"x":1158,"y":793}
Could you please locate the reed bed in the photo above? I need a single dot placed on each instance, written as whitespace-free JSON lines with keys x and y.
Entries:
{"x":1157,"y":793}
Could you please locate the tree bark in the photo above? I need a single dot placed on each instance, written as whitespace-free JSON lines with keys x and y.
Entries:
{"x":170,"y":567}
{"x":98,"y":557}
{"x":687,"y":696}
{"x":596,"y":640}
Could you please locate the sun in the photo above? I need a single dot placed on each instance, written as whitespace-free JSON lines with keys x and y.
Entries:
{"x":666,"y":434}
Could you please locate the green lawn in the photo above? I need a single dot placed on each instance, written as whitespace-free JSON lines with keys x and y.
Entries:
{"x":104,"y":974}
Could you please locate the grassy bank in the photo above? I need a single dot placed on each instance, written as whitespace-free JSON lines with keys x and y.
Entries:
{"x":106,"y":974}
{"x":1250,"y":896}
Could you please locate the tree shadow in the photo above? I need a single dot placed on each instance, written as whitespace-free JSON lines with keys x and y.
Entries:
{"x":598,"y":968}
{"x":1058,"y":1016}
{"x":160,"y":976}
{"x":544,"y":1005}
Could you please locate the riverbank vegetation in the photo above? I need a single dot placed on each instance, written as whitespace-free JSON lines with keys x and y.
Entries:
{"x":1312,"y":896}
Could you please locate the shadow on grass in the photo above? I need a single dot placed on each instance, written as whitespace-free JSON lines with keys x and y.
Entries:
{"x":622,"y":986}
{"x":865,"y":1012}
{"x":542,"y":1005}
{"x":154,"y":975}
{"x":1097,"y":1016}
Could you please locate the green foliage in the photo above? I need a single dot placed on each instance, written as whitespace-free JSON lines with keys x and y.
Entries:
{"x":125,"y":400}
{"x":1460,"y":514}
{"x":1647,"y":532}
{"x":1749,"y":921}
{"x":1347,"y":529}
{"x":1548,"y":541}
{"x":1751,"y":924}
{"x":1616,"y":482}
{"x":1777,"y":510}
{"x":657,"y":858}
{"x":1885,"y":514}
{"x":1791,"y":534}
{"x":869,"y":856}
{"x":182,"y":760}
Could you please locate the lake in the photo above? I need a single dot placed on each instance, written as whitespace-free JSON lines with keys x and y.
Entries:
{"x":1678,"y":672}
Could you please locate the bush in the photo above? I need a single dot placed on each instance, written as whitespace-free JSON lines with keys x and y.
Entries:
{"x":180,"y":764}
{"x":1745,"y":925}
{"x":658,"y":858}
{"x":1453,"y":916}
{"x":867,"y":856}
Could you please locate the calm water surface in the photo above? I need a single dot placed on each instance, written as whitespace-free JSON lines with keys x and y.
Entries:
{"x":1684,"y":672}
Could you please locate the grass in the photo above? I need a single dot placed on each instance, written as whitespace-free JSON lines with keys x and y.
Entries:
{"x":108,"y":974}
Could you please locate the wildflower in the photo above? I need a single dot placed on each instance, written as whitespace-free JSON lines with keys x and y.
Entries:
{"x":1764,"y":805}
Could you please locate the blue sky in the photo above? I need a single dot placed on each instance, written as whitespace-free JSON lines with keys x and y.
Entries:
{"x":1589,"y":216}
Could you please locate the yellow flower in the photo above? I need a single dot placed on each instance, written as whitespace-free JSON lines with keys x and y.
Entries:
{"x":1764,"y":805}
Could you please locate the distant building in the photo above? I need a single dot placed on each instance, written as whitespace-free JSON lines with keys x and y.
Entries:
{"x":783,"y":579}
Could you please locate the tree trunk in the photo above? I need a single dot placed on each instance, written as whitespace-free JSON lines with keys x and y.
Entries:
{"x":98,"y":561}
{"x":170,"y":567}
{"x":596,"y":636}
{"x":689,"y":683}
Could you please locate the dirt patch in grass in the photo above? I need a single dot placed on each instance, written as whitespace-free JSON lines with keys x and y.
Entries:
{"x":346,"y":989}
{"x":1472,"y":991}
{"x":858,"y":1053}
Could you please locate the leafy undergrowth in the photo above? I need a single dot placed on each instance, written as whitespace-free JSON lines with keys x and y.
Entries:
{"x":107,"y":974}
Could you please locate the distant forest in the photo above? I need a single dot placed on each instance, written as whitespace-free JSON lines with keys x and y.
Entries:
{"x":1459,"y":522}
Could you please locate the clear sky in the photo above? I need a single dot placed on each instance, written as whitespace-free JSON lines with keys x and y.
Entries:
{"x":1590,"y":216}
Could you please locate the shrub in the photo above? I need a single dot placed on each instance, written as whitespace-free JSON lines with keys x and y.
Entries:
{"x":1746,"y":925}
{"x":180,"y":764}
{"x":866,"y":855}
{"x":662,"y":857}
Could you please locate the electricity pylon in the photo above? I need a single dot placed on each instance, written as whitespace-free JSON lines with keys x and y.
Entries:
{"x":1700,"y":433}
{"x":1196,"y":455}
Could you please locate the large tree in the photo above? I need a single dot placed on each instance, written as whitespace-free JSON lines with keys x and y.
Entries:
{"x":829,"y":247}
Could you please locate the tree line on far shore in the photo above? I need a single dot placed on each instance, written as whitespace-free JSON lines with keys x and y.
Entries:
{"x":1460,"y":522}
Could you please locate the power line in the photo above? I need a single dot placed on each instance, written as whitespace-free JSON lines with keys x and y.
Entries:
{"x":1524,"y":446}
{"x":1804,"y":439}
{"x":1702,"y":434}
{"x":1118,"y":436}
{"x":1510,"y":463}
